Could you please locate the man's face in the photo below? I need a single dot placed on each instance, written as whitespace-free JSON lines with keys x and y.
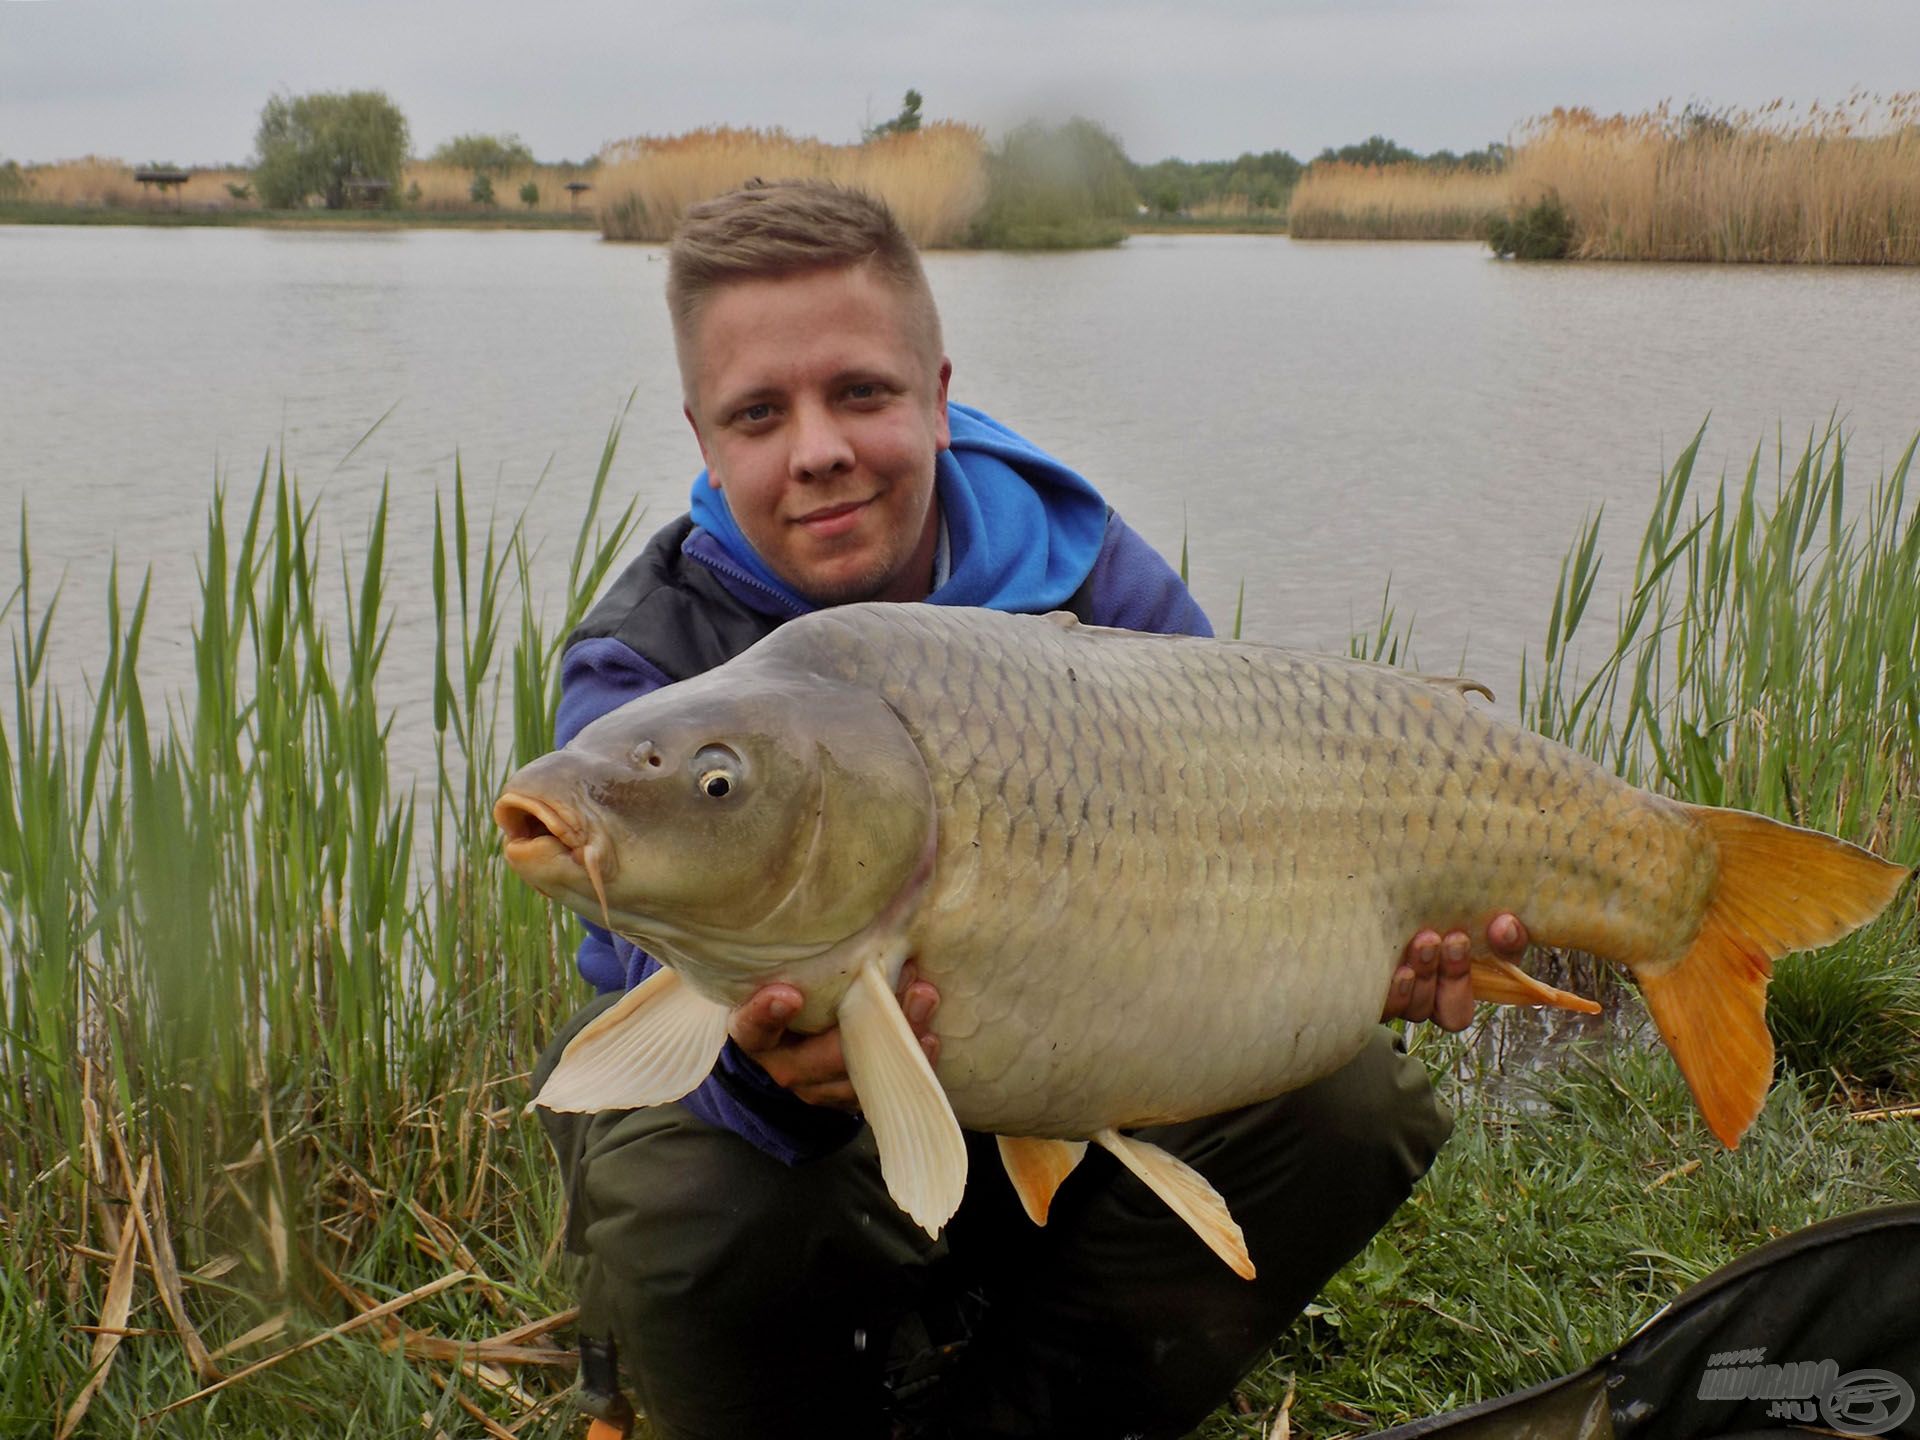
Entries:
{"x":819,"y":414}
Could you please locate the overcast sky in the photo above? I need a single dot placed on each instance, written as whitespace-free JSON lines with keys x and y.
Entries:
{"x":184,"y":82}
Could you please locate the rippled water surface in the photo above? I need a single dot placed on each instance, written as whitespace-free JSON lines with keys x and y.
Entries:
{"x":1314,"y":418}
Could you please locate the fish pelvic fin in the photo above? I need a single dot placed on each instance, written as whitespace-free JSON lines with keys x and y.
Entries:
{"x":1036,"y":1167}
{"x":923,"y":1156}
{"x":657,"y":1044}
{"x":1778,"y":889}
{"x":1187,"y":1194}
{"x":1501,"y":982}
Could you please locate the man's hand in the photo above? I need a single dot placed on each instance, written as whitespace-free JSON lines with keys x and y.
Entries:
{"x":1434,"y":981}
{"x":813,"y":1067}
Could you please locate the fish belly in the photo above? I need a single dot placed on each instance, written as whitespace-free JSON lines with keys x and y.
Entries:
{"x":1176,"y":877}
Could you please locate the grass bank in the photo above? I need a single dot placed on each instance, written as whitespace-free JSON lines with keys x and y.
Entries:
{"x":1394,"y":202}
{"x":104,"y":191}
{"x":269,"y":1010}
{"x":295,"y":219}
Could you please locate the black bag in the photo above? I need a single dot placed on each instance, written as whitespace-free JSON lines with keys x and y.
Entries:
{"x":1818,"y":1332}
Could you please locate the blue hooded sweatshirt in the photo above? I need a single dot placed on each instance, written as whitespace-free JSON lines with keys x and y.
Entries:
{"x":1021,"y":533}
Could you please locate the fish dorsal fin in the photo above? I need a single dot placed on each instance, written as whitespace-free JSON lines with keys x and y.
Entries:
{"x":1187,"y":1193}
{"x":1459,"y":684}
{"x":923,"y":1157}
{"x":1036,"y":1167}
{"x":1065,"y":619}
{"x":1504,"y":983}
{"x":656,"y":1045}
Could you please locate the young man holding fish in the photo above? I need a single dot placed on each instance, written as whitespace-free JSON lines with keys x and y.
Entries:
{"x":740,"y":1246}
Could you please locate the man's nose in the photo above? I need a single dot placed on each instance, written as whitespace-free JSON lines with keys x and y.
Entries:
{"x":820,"y":444}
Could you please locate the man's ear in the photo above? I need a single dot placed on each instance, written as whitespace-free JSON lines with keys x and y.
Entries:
{"x":701,"y":441}
{"x":942,"y":431}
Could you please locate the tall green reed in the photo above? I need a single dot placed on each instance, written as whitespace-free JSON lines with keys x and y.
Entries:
{"x":1766,"y":655}
{"x":236,"y":945}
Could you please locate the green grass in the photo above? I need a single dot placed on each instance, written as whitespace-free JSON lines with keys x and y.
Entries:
{"x":240,"y":956}
{"x":1548,"y":1232}
{"x":238,"y":953}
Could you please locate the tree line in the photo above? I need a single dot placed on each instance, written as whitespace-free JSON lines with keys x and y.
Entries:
{"x":349,"y":147}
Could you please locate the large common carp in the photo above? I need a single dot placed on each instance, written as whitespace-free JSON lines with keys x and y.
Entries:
{"x":1152,"y":877}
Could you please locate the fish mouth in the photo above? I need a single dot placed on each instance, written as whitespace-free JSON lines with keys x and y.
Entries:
{"x":537,"y":834}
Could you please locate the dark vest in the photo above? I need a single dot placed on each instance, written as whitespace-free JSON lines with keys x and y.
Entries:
{"x":672,"y":610}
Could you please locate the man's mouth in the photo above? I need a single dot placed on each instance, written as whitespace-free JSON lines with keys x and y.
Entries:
{"x":831,"y":520}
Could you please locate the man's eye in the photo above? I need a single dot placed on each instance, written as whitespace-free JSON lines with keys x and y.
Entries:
{"x":865,"y":390}
{"x":754,"y":414}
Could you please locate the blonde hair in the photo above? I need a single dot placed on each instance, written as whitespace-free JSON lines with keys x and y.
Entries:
{"x":767,"y":230}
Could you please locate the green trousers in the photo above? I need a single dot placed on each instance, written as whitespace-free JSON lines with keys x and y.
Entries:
{"x":748,"y":1298}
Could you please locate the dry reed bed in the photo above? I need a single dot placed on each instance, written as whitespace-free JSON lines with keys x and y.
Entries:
{"x":1828,"y":185}
{"x":1394,"y":202}
{"x":97,"y":182}
{"x":934,"y":179}
{"x":1831,"y":185}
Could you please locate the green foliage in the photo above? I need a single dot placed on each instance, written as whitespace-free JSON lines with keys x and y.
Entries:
{"x":1256,"y":182}
{"x":1374,"y":150}
{"x":243,"y":954}
{"x":1541,"y":231}
{"x":239,"y":190}
{"x":1379,"y":150}
{"x":1572,"y":1202}
{"x":314,"y":144}
{"x":1056,"y":187}
{"x":491,"y":153}
{"x":530,"y":195}
{"x":905,"y":123}
{"x":13,"y":181}
{"x":481,"y":191}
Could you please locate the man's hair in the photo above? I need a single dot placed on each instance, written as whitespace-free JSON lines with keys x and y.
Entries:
{"x":767,"y":230}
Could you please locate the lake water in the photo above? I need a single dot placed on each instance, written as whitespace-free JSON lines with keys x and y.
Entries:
{"x":1314,"y":417}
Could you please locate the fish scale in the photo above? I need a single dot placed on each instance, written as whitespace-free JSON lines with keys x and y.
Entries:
{"x":1223,"y":819}
{"x":1152,"y":878}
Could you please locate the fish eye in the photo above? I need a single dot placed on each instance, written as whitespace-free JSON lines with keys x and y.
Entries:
{"x":719,"y":771}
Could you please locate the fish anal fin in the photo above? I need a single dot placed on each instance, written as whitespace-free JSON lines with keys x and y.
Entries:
{"x":654,"y":1046}
{"x":1036,"y":1167}
{"x":1778,"y":889}
{"x":1186,"y":1193}
{"x":923,"y":1156}
{"x":1501,"y":982}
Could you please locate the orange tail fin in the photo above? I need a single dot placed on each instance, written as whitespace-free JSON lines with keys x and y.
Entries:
{"x":1779,"y":889}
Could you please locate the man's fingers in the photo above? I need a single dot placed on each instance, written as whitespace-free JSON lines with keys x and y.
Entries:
{"x":1453,"y":988}
{"x":758,"y":1023}
{"x":919,"y":1000}
{"x":1506,"y":936}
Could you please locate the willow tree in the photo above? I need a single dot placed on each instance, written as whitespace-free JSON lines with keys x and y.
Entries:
{"x":317,"y":144}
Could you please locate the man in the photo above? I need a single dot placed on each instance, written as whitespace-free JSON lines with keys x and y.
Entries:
{"x":741,"y":1250}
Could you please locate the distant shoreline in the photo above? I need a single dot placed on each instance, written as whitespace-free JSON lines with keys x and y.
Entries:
{"x":19,"y":213}
{"x":31,"y":214}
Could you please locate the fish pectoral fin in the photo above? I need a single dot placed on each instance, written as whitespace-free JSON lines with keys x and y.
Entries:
{"x":1459,"y":684}
{"x":923,"y":1157}
{"x":657,"y":1044}
{"x":1503,"y":983}
{"x":1036,"y":1167}
{"x":1187,"y":1194}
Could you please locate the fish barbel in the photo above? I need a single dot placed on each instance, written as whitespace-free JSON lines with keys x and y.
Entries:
{"x":1152,"y":878}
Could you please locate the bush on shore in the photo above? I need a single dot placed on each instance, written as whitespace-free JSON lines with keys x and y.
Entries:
{"x":1056,"y":187}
